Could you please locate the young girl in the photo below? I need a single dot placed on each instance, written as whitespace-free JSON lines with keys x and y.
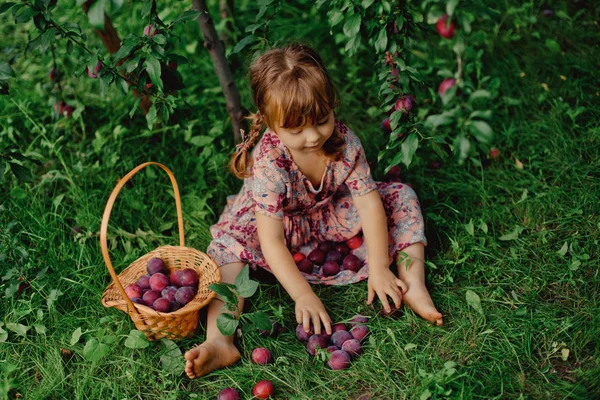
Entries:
{"x":307,"y":182}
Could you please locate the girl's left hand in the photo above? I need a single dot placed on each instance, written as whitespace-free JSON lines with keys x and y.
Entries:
{"x":384,"y":283}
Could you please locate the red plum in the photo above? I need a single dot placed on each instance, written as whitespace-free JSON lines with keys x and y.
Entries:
{"x":330,"y":268}
{"x":185,"y":294}
{"x":339,"y":359}
{"x":338,"y":338}
{"x":359,"y":332}
{"x":352,"y":263}
{"x":352,"y":347}
{"x":315,"y":341}
{"x":228,"y":394}
{"x":155,"y":265}
{"x":133,"y":290}
{"x":263,"y":389}
{"x":261,"y":356}
{"x":159,"y":281}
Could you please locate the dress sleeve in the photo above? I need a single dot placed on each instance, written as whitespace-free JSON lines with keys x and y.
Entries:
{"x":269,"y":184}
{"x":359,"y":181}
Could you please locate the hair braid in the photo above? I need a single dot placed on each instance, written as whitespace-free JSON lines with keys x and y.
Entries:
{"x":241,"y":161}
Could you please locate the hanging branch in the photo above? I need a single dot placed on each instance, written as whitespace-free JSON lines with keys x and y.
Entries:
{"x":112,"y":42}
{"x":226,"y":13}
{"x":217,"y":54}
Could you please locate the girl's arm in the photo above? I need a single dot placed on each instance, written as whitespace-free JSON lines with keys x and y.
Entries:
{"x":308,"y":306}
{"x":382,"y":280}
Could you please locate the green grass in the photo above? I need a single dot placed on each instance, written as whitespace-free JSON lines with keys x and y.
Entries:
{"x":537,"y":335}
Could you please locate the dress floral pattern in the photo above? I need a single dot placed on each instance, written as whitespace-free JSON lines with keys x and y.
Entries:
{"x":278,"y":189}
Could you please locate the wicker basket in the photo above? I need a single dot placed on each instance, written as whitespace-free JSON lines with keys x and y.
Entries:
{"x":154,"y":324}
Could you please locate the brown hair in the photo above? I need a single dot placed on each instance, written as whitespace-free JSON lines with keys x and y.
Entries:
{"x":290,"y":87}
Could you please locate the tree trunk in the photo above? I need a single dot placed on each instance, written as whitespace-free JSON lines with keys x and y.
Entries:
{"x":217,"y":54}
{"x":226,"y":11}
{"x":112,"y":42}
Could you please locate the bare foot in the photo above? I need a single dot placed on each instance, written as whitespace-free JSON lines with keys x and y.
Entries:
{"x":208,"y":356}
{"x":419,"y":300}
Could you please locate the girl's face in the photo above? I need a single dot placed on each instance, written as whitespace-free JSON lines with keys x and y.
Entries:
{"x":308,"y":138}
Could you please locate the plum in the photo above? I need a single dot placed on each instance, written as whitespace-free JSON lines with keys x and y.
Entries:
{"x":169,"y":293}
{"x":274,"y":331}
{"x":189,"y":277}
{"x":352,"y":263}
{"x":352,"y":347}
{"x":261,"y":356}
{"x":298,"y":257}
{"x":334,"y":255}
{"x":444,"y":28}
{"x":302,"y":335}
{"x":150,"y":30}
{"x":155,"y":265}
{"x":339,"y":359}
{"x":330,"y":268}
{"x":358,"y":319}
{"x":338,"y":338}
{"x":342,"y":248}
{"x":405,"y":103}
{"x":159,"y":281}
{"x":144,"y":282}
{"x":494,"y":153}
{"x":354,"y":242}
{"x":386,"y":125}
{"x":150,"y":296}
{"x":133,"y":290}
{"x":138,"y":300}
{"x":359,"y":332}
{"x":175,"y":305}
{"x":446,"y":84}
{"x":228,"y":394}
{"x":185,"y":294}
{"x":324,"y":246}
{"x":332,"y":348}
{"x":315,"y":341}
{"x":263,"y":389}
{"x":340,"y":326}
{"x":175,"y":277}
{"x":305,"y":266}
{"x":67,"y":111}
{"x":161,"y":304}
{"x":94,"y":74}
{"x":317,"y":256}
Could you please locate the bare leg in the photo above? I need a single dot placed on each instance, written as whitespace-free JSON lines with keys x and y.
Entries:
{"x":217,"y":351}
{"x":417,"y":296}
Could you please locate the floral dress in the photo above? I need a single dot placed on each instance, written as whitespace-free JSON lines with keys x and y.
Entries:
{"x":278,"y":189}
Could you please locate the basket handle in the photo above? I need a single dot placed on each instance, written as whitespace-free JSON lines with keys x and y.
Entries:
{"x":106,"y":217}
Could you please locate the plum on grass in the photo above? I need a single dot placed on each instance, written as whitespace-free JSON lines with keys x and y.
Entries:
{"x":261,"y":356}
{"x":338,"y":338}
{"x":332,"y":348}
{"x":155,"y":265}
{"x":159,"y":281}
{"x":340,"y":326}
{"x":305,"y":266}
{"x":302,"y":335}
{"x":263,"y":389}
{"x":185,"y":294}
{"x":352,"y":263}
{"x":162,"y":305}
{"x":359,"y":332}
{"x":330,"y":268}
{"x":352,"y":347}
{"x":320,"y":341}
{"x":228,"y":394}
{"x":133,"y":290}
{"x":358,"y":319}
{"x":274,"y":331}
{"x":339,"y":359}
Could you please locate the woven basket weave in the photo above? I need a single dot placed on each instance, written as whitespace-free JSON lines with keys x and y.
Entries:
{"x":154,"y":324}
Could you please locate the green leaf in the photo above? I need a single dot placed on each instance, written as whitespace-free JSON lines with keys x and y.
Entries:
{"x":25,"y":14}
{"x":225,"y":292}
{"x":512,"y":235}
{"x":243,"y":43}
{"x":40,"y":329}
{"x":5,"y":7}
{"x":435,"y":120}
{"x":367,"y":3}
{"x":136,"y":340}
{"x":201,"y":141}
{"x":552,"y":45}
{"x":54,"y":294}
{"x":260,"y":319}
{"x":22,"y":173}
{"x":480,"y":94}
{"x":19,"y":329}
{"x":172,"y":360}
{"x":3,"y":335}
{"x":94,"y":350}
{"x":227,"y":324}
{"x":6,"y":72}
{"x":482,"y":131}
{"x":153,"y":69}
{"x":462,"y":146}
{"x":2,"y":169}
{"x":563,"y":250}
{"x":151,"y":117}
{"x":381,"y":42}
{"x":75,"y":336}
{"x":124,"y":51}
{"x":409,"y":147}
{"x":336,"y":17}
{"x":352,"y":25}
{"x":474,"y":301}
{"x":188,"y":15}
{"x":451,"y":6}
{"x":245,"y":287}
{"x":96,"y":14}
{"x":470,"y":228}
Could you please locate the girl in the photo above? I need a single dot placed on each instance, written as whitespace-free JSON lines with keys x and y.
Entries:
{"x":307,"y":182}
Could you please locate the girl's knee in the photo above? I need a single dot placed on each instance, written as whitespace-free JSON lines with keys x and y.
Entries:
{"x":230,"y":271}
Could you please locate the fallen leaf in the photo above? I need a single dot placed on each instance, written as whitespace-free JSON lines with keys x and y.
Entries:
{"x":518,"y":164}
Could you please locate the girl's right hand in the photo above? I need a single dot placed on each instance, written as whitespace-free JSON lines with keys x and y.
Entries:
{"x":309,"y":308}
